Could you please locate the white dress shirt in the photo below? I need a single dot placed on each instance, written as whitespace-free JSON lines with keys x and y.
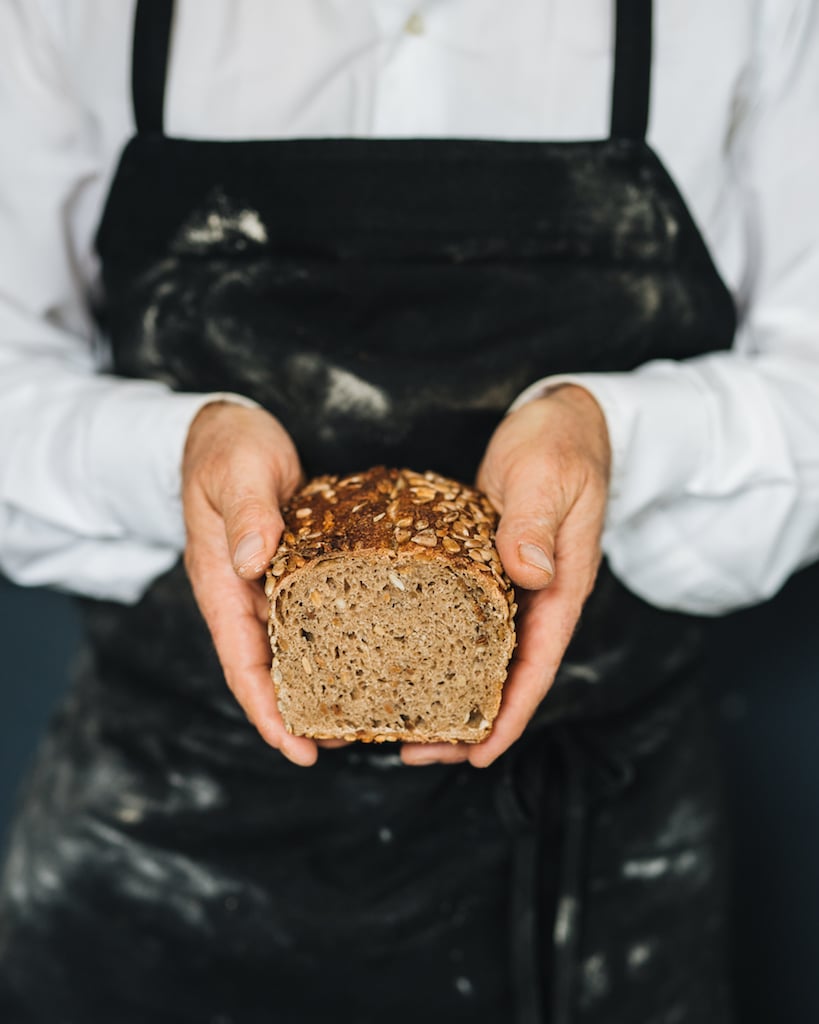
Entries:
{"x":715,"y":488}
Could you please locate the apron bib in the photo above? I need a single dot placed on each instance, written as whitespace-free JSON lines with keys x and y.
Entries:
{"x":386,"y":300}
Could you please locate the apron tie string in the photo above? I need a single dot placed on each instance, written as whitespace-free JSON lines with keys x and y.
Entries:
{"x":538,"y":811}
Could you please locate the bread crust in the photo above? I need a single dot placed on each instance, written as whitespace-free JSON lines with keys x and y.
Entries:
{"x":394,"y":513}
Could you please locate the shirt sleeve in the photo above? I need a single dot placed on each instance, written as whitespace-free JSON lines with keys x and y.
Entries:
{"x":89,"y":464}
{"x":715,"y":472}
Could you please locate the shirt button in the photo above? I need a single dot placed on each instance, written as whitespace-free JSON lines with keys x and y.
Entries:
{"x":414,"y":25}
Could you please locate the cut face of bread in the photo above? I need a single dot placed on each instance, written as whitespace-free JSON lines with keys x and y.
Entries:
{"x":380,"y":630}
{"x":391,"y":647}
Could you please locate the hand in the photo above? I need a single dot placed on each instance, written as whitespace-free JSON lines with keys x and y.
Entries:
{"x":546,"y":471}
{"x":239,"y":466}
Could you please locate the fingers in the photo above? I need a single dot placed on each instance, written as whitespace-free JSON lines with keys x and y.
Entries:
{"x":245,"y":655}
{"x":238,"y":465}
{"x":420,"y":754}
{"x":544,"y":631}
{"x":546,"y":623}
{"x":546,"y":471}
{"x":234,"y":611}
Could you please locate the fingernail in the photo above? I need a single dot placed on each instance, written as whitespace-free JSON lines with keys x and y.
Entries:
{"x":250,"y":548}
{"x":537,"y":557}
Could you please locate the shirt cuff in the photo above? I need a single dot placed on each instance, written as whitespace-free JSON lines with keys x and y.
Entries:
{"x":137,"y":440}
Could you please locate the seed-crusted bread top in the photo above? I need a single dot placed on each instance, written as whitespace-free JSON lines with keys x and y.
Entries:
{"x":390,"y":509}
{"x":399,"y":524}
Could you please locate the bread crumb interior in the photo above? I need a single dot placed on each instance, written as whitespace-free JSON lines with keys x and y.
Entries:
{"x":383,"y":647}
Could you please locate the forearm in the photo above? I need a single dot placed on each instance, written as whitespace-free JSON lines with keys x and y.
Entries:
{"x":715,"y":476}
{"x":89,"y":466}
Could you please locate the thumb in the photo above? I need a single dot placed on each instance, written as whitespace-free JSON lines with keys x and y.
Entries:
{"x":253,"y":528}
{"x":525,"y":537}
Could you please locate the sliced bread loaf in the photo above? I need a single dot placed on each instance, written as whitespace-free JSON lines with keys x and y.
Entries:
{"x":390,"y":615}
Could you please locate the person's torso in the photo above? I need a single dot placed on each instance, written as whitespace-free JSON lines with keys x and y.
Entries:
{"x":388,"y":299}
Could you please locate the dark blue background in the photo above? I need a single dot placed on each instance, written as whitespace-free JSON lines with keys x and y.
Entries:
{"x":765,"y":687}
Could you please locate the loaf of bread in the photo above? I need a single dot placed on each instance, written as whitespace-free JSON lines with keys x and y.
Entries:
{"x":390,"y":615}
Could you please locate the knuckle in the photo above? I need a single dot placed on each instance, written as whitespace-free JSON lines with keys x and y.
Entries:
{"x":244,"y":507}
{"x":243,"y":513}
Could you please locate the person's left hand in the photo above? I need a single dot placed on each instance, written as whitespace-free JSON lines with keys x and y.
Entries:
{"x":546,"y":471}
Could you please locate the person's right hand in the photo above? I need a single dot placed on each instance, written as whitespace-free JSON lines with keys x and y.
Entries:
{"x":239,"y":467}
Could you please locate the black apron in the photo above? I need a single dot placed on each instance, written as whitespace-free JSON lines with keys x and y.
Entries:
{"x":386,"y":300}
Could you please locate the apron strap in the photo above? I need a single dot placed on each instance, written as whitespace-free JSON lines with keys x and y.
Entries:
{"x":630,"y":91}
{"x":149,"y":63}
{"x":631,"y":87}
